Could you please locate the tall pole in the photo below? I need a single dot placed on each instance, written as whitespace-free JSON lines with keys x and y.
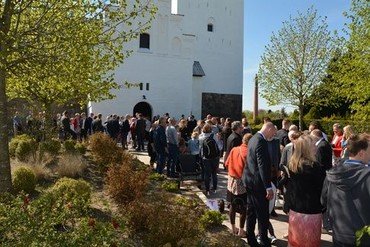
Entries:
{"x":255,"y":106}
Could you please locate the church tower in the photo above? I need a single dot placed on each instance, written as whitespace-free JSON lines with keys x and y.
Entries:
{"x":189,"y":61}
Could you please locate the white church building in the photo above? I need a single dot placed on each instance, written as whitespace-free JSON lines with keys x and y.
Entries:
{"x":189,"y":62}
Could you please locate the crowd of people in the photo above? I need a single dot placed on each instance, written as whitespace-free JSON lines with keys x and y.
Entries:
{"x":325,"y":183}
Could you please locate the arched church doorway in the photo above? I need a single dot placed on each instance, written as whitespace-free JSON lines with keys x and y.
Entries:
{"x":143,"y":108}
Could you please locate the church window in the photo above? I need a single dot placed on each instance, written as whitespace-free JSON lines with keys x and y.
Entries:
{"x":145,"y":40}
{"x":141,"y":86}
{"x":210,"y":27}
{"x":147,"y":87}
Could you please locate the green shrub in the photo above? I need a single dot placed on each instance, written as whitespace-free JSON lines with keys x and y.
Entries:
{"x":13,"y":144}
{"x":363,"y":236}
{"x":157,"y":177}
{"x":51,"y":147}
{"x":24,"y":180}
{"x":47,"y":221}
{"x":80,"y":148}
{"x":186,"y":202}
{"x":170,"y":186}
{"x":69,"y":146}
{"x":76,"y":193}
{"x":211,"y":218}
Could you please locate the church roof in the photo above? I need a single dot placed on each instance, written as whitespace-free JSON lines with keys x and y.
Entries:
{"x":197,"y":69}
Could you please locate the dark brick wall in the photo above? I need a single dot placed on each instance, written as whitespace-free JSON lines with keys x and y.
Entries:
{"x":222,"y":105}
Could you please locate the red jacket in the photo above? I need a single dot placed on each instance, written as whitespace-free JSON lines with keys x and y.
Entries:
{"x":236,"y":161}
{"x":336,"y":144}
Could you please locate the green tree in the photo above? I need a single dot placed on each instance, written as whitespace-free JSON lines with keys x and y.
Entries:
{"x":354,"y":72}
{"x":57,"y":51}
{"x":326,"y":99}
{"x":295,"y":61}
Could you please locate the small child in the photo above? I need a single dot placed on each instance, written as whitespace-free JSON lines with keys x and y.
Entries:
{"x":193,"y":144}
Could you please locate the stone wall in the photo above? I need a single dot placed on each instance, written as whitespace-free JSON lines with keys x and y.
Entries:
{"x":222,"y":105}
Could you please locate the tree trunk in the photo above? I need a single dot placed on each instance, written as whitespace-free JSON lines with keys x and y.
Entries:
{"x":5,"y":174}
{"x":49,"y":130}
{"x":5,"y":24}
{"x":300,"y":108}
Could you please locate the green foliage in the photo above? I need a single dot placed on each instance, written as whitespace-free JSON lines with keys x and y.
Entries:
{"x":295,"y":60}
{"x":171,"y":186}
{"x":69,"y":146}
{"x":363,"y":236}
{"x":326,"y":99}
{"x":353,"y":66}
{"x":75,"y":58}
{"x":81,"y":148}
{"x":186,"y":202}
{"x":75,"y":193}
{"x":48,"y":221}
{"x":25,"y":149}
{"x":13,"y":144}
{"x":211,"y":218}
{"x":51,"y":147}
{"x":24,"y":180}
{"x":157,"y":177}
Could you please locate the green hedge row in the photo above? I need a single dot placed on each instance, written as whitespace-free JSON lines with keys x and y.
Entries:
{"x":326,"y":125}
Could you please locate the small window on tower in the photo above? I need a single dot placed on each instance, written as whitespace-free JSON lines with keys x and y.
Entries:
{"x":147,"y":86}
{"x":145,"y":40}
{"x":210,"y":27}
{"x":141,"y":86}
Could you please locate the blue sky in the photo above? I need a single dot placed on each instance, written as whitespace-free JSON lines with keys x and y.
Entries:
{"x":262,"y":17}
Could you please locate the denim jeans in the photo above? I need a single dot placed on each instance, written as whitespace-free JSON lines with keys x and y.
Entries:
{"x":210,"y":170}
{"x":173,"y":158}
{"x":161,"y":159}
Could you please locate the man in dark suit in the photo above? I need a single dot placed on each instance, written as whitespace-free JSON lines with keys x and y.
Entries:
{"x":88,"y":123}
{"x":235,"y":139}
{"x":140,"y":131}
{"x":257,"y":179}
{"x":324,"y":158}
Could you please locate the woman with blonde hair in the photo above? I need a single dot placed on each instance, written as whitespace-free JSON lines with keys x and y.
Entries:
{"x":348,"y":131}
{"x":303,"y":195}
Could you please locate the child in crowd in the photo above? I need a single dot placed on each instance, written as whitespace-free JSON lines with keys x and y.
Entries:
{"x":193,"y":144}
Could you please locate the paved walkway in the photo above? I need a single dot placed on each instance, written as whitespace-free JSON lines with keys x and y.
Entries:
{"x":279,"y":223}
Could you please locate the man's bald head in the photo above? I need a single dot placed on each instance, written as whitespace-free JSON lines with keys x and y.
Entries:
{"x":268,"y":130}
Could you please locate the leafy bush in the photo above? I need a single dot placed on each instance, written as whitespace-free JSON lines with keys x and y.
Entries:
{"x":105,"y":150}
{"x":69,"y":146}
{"x":157,"y":177}
{"x":24,"y":180}
{"x":81,"y":148}
{"x":157,"y":216}
{"x":363,"y":236}
{"x":47,"y":221}
{"x":211,"y":218}
{"x":125,"y":184}
{"x":170,"y":186}
{"x":13,"y":144}
{"x":25,"y":148}
{"x":186,"y":202}
{"x":75,"y":193}
{"x":51,"y":147}
{"x":71,"y":165}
